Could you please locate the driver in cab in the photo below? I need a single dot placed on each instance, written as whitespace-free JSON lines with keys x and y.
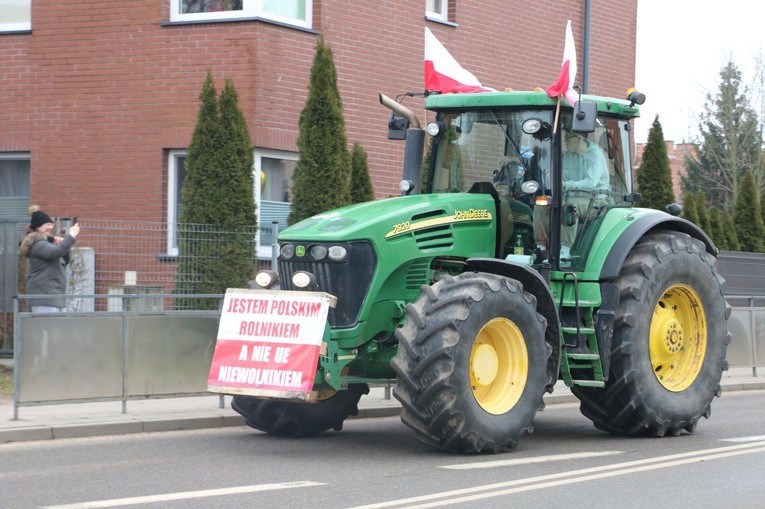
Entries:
{"x":585,"y":184}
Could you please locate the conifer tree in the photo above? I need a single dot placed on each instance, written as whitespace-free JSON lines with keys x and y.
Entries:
{"x":715,"y":229}
{"x":731,"y":141}
{"x":729,"y":232}
{"x":217,"y":216}
{"x":321,"y":180}
{"x":689,"y":208}
{"x":747,"y":217}
{"x":654,"y":175}
{"x":361,"y":184}
{"x":701,"y":212}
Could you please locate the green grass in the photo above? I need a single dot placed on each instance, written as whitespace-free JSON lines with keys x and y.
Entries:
{"x":6,"y":380}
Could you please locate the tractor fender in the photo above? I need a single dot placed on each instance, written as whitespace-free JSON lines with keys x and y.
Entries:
{"x":535,"y":284}
{"x":638,"y":228}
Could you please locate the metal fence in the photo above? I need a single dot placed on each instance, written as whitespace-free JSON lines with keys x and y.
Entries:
{"x":105,"y":356}
{"x":132,"y":258}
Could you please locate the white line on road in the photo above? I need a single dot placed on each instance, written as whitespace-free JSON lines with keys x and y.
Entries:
{"x":571,"y":477}
{"x":528,"y":461}
{"x":744,"y":439}
{"x":184,"y":495}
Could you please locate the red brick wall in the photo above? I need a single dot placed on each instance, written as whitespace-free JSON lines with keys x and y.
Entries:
{"x":100,"y":90}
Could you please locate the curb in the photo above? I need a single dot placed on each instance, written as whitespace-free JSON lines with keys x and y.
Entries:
{"x":32,"y":432}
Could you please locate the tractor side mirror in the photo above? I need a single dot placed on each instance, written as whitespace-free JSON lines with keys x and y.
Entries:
{"x":585,"y":113}
{"x":397,"y":126}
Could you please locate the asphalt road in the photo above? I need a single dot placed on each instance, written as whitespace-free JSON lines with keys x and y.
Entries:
{"x":376,"y":463}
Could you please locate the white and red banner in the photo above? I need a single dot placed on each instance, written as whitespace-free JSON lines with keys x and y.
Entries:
{"x":268,"y":342}
{"x":564,"y":86}
{"x":442,"y":72}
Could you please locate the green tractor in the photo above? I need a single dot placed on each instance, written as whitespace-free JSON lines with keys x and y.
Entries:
{"x":459,"y":289}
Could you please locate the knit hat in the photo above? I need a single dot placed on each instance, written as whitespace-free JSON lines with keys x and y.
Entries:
{"x":39,"y":217}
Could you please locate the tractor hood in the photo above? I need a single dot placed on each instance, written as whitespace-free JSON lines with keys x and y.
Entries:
{"x":395,"y":217}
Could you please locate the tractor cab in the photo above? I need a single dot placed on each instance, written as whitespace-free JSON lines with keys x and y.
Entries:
{"x":539,"y":172}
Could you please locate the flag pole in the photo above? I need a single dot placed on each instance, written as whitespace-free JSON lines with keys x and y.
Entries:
{"x":557,"y":115}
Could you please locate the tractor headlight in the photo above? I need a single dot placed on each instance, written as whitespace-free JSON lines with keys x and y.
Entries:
{"x":303,"y":280}
{"x":266,"y":278}
{"x":337,"y":253}
{"x":318,"y":252}
{"x":287,"y":251}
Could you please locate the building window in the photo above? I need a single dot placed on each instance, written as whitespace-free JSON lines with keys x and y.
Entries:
{"x":176,"y":166}
{"x":273,"y":194}
{"x":14,"y":184}
{"x":291,"y":12}
{"x":15,"y":15}
{"x":437,"y":9}
{"x":272,"y":177}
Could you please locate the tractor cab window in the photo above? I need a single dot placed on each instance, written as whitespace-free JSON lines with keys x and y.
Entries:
{"x":491,"y":146}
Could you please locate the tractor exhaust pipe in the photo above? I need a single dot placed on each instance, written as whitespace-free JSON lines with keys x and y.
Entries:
{"x":415,"y":144}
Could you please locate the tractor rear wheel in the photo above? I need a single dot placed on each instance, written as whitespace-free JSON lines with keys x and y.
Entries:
{"x":471,"y":363}
{"x":290,"y":419}
{"x":670,"y":337}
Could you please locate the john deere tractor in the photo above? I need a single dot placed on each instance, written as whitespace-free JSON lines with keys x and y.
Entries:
{"x":459,"y":291}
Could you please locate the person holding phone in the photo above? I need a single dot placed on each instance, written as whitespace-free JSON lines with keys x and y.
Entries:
{"x":48,"y":257}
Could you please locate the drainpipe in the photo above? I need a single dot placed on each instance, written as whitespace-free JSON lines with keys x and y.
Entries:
{"x":586,"y":57}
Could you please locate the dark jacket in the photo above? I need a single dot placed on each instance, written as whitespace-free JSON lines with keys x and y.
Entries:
{"x":46,"y":272}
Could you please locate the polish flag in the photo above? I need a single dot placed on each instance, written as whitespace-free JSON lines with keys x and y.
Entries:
{"x":564,"y":85}
{"x":443,"y":74}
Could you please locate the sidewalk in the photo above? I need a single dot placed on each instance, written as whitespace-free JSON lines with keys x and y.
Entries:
{"x":75,"y":420}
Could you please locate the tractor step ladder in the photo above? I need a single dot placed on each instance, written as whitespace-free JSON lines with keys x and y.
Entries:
{"x":582,"y":355}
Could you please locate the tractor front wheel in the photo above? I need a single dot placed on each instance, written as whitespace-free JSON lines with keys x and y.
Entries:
{"x":471,"y":363}
{"x":291,"y":419}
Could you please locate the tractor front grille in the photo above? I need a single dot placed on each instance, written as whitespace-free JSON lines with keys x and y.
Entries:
{"x":348,"y":280}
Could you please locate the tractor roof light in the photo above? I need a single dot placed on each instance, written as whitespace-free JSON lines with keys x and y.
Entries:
{"x":435,"y":128}
{"x":635,"y":97}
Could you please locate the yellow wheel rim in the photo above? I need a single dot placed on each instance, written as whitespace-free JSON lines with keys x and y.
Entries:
{"x":678,"y":338}
{"x":499,"y":366}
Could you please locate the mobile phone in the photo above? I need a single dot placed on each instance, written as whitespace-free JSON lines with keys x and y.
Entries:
{"x":74,"y":220}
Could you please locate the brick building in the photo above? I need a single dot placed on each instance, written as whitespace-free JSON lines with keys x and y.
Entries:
{"x":99,"y":99}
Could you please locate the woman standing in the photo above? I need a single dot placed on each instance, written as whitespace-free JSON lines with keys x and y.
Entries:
{"x":48,"y":256}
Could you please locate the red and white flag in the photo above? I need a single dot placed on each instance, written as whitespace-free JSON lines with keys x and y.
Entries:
{"x":564,"y":85}
{"x":443,"y":74}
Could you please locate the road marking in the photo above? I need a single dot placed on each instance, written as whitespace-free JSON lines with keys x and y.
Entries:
{"x":744,"y":439}
{"x":184,"y":495}
{"x":571,"y":477}
{"x":528,"y":461}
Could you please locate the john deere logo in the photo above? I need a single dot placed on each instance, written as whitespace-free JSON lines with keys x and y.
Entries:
{"x":300,"y":251}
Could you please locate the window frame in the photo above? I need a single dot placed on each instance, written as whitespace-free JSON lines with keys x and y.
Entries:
{"x":18,"y":26}
{"x":442,"y":15}
{"x":172,"y":200}
{"x":251,"y":9}
{"x":265,"y":251}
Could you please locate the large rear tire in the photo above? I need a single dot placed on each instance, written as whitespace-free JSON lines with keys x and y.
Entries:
{"x":301,"y":419}
{"x":669,"y":343}
{"x":471,"y":363}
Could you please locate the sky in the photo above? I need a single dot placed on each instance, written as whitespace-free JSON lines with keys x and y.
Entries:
{"x":681,"y":47}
